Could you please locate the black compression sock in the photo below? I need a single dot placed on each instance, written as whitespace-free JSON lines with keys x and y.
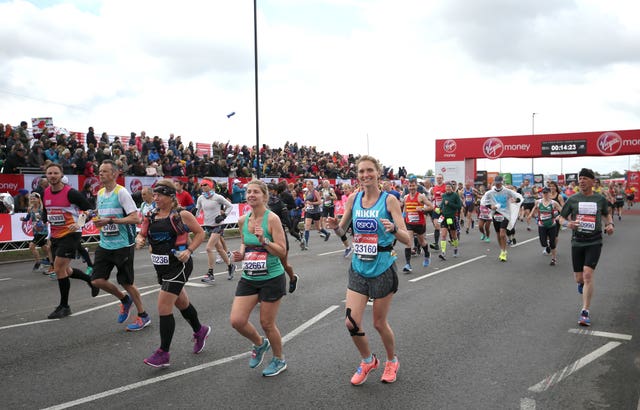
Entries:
{"x":407,"y":255}
{"x":426,"y":251}
{"x":167,"y":327}
{"x":191,"y":315}
{"x":78,"y":274}
{"x":436,"y":236}
{"x":64,"y":285}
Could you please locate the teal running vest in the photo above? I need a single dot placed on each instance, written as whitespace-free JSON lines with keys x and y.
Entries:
{"x":114,"y":236}
{"x":369,"y":235}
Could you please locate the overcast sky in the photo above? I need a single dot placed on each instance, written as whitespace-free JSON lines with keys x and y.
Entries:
{"x":385,"y":77}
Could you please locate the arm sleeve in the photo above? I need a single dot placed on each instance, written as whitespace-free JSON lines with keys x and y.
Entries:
{"x":75,"y":197}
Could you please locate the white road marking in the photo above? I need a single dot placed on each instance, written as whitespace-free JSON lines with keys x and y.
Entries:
{"x":447,"y":268}
{"x":28,"y":323}
{"x":197,"y":285}
{"x":527,"y":404}
{"x":331,"y":253}
{"x":601,"y":334}
{"x":5,"y":279}
{"x":572,"y":368}
{"x":525,"y":241}
{"x":189,"y":370}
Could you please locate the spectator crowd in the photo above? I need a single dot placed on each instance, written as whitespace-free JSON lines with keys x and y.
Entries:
{"x":142,"y":155}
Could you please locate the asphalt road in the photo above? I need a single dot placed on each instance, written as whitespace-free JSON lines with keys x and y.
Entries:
{"x":475,"y":334}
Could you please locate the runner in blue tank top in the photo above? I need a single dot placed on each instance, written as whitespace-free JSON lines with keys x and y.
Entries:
{"x":377,"y":221}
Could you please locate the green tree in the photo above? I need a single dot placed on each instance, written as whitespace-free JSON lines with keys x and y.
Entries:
{"x":429,"y":173}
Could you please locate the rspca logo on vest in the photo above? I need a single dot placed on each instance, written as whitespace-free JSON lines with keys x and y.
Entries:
{"x":367,"y":225}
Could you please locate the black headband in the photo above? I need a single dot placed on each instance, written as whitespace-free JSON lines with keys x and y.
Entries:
{"x":164,"y":190}
{"x":586,"y":172}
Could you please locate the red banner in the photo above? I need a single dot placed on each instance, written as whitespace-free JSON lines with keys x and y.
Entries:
{"x":596,"y":143}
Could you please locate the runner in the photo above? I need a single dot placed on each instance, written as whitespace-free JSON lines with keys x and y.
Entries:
{"x":436,"y":198}
{"x":469,"y":195}
{"x":214,"y":207}
{"x":618,"y":196}
{"x":630,"y":192}
{"x":415,"y":205}
{"x":484,"y":219}
{"x":529,"y":200}
{"x":167,"y":230}
{"x":278,"y":207}
{"x":262,"y":246}
{"x":147,"y":205}
{"x":329,"y":198}
{"x":449,"y":220}
{"x":117,"y":219}
{"x":545,"y":209}
{"x":62,"y":205}
{"x":377,"y":222}
{"x":36,"y":214}
{"x":312,"y":213}
{"x":498,"y":199}
{"x":584,"y":214}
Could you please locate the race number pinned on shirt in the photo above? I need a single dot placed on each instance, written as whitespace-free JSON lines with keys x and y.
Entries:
{"x":110,"y":230}
{"x":365,"y":245}
{"x":159,"y":259}
{"x":413,"y":217}
{"x":586,"y":223}
{"x":255,"y":263}
{"x":56,"y":218}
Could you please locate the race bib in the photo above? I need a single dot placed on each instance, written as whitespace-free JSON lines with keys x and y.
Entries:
{"x":498,"y":217}
{"x":586,"y":223}
{"x":468,"y":198}
{"x":110,"y":230}
{"x":413,"y":217}
{"x":365,"y":245}
{"x":587,"y":208}
{"x":255,"y":263}
{"x":56,"y":219}
{"x":545,"y":216}
{"x":159,"y":259}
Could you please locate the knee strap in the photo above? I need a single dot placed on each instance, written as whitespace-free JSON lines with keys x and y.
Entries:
{"x":355,"y":330}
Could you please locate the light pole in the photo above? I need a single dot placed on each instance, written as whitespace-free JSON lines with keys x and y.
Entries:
{"x":255,"y":71}
{"x":533,"y":132}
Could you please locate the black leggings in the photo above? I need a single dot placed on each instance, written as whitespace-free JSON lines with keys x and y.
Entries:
{"x":548,"y":236}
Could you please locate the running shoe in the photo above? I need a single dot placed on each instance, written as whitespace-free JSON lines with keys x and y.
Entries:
{"x":426,"y":262}
{"x":585,"y":319}
{"x":302,"y":245}
{"x":360,"y":376}
{"x":125,"y":310}
{"x":218,"y":260}
{"x":407,"y":268}
{"x":323,"y":235}
{"x":390,"y":371}
{"x":326,"y":238}
{"x":580,"y":287}
{"x":619,"y":218}
{"x":293,"y":284}
{"x":503,"y":256}
{"x":60,"y":312}
{"x":467,"y":231}
{"x":275,"y":367}
{"x":544,"y":251}
{"x":473,"y":224}
{"x":442,"y":256}
{"x":158,"y":359}
{"x":140,"y":323}
{"x":89,"y":270}
{"x":52,"y":276}
{"x":514,"y":241}
{"x":455,"y":253}
{"x":509,"y":242}
{"x":487,"y":239}
{"x":548,"y":249}
{"x":200,"y":338}
{"x":417,"y":250}
{"x":209,"y":278}
{"x":230,"y":270}
{"x":529,"y":228}
{"x":36,"y":266}
{"x":45,"y":262}
{"x":434,"y":246}
{"x":553,"y":262}
{"x":230,"y":256}
{"x":257,"y":353}
{"x":482,"y":237}
{"x":461,"y":222}
{"x":348,"y":252}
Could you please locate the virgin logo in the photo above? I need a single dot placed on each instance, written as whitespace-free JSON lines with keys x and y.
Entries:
{"x":493,"y":148}
{"x":95,"y":184}
{"x":34,"y":183}
{"x":450,"y":146}
{"x":27,"y":228}
{"x":609,"y":143}
{"x":135,"y":186}
{"x":443,"y":169}
{"x":634,"y":176}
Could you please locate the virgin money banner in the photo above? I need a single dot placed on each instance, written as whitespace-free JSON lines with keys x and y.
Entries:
{"x":633,"y":184}
{"x":597,"y":143}
{"x":11,"y":183}
{"x":5,"y":227}
{"x":135,"y":184}
{"x":14,"y":229}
